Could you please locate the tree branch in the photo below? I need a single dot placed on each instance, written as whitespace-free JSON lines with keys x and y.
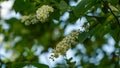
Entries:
{"x":112,"y":13}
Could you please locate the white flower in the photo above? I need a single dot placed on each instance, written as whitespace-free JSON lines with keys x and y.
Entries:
{"x":62,"y":47}
{"x":24,"y":18}
{"x":43,"y":13}
{"x":30,"y":19}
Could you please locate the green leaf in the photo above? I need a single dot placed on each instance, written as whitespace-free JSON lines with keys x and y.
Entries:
{"x":115,"y":33}
{"x":84,"y":35}
{"x":24,"y":6}
{"x":83,"y":7}
{"x":113,"y":2}
{"x":63,"y":6}
{"x":72,"y":19}
{"x":20,"y":4}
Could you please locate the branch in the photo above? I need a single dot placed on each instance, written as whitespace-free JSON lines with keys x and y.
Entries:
{"x":112,"y":13}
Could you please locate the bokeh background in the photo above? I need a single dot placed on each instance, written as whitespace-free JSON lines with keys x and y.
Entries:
{"x":30,"y":46}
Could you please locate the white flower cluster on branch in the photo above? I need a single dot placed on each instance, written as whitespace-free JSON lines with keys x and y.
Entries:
{"x":42,"y":15}
{"x":62,"y":47}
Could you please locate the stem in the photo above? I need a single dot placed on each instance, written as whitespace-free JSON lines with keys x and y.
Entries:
{"x":112,"y":13}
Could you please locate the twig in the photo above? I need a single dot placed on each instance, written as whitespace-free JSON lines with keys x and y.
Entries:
{"x":114,"y":16}
{"x":112,"y":13}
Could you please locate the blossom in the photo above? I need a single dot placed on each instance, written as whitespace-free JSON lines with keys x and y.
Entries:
{"x":42,"y":13}
{"x":62,"y":47}
{"x":30,"y":19}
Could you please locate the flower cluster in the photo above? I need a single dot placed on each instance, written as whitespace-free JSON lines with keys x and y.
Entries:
{"x":30,"y":19}
{"x":43,"y":13}
{"x":62,"y":47}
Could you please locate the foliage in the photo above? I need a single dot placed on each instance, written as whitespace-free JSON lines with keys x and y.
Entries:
{"x":102,"y":19}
